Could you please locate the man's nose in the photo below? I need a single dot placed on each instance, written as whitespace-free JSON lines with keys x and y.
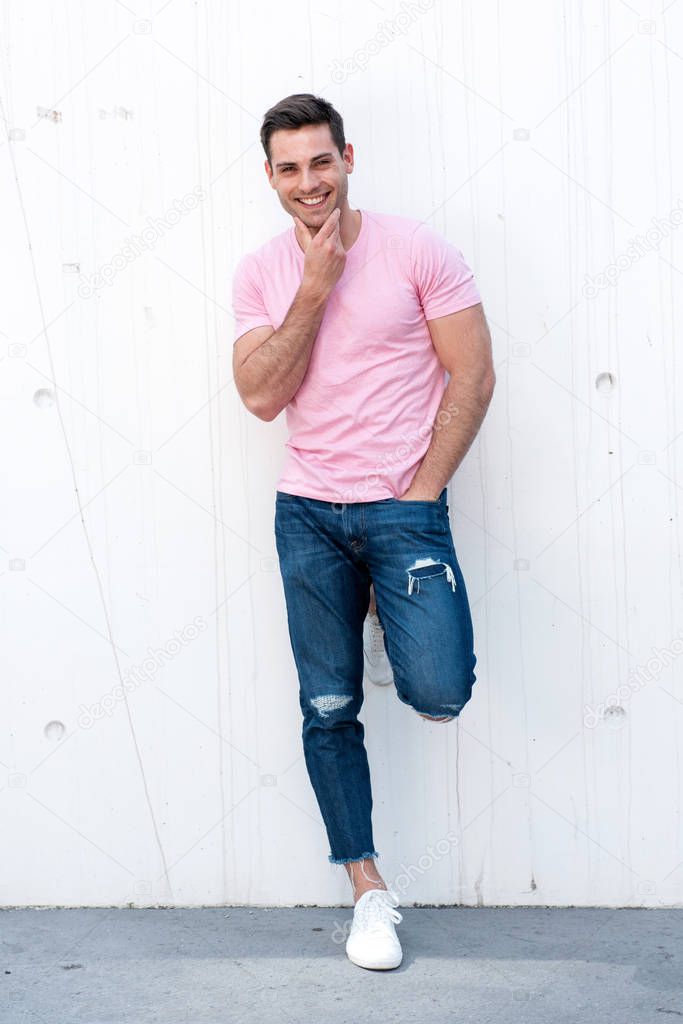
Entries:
{"x":309,"y":184}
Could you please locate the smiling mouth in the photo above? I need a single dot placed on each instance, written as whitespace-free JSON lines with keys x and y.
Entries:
{"x":319,"y":201}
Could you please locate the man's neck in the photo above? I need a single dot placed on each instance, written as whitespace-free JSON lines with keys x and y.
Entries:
{"x":350,"y":227}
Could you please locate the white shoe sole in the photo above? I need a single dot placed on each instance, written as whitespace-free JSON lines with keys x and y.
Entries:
{"x":376,"y":965}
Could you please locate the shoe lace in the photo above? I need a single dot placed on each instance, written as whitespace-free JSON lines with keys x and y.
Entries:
{"x":377,"y":908}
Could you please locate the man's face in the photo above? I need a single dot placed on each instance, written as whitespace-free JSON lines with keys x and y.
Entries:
{"x":306,"y":164}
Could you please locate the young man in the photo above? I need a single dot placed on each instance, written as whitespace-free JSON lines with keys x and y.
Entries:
{"x":350,"y":320}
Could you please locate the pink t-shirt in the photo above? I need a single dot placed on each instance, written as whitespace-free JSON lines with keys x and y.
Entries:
{"x":362,"y":419}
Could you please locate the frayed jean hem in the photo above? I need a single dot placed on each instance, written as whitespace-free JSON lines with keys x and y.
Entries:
{"x":348,"y":860}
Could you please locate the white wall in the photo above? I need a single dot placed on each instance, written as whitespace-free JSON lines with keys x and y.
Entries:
{"x":541,"y":137}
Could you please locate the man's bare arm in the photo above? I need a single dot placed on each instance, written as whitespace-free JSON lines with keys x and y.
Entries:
{"x":463,"y":344}
{"x":268,"y":370}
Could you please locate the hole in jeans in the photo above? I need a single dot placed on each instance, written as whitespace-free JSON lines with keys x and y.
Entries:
{"x":425,"y":567}
{"x":331,"y":702}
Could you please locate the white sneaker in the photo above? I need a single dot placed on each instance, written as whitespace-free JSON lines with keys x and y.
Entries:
{"x":377,"y":666}
{"x":372,"y":941}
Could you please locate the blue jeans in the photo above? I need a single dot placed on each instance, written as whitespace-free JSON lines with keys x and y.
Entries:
{"x":330,"y":553}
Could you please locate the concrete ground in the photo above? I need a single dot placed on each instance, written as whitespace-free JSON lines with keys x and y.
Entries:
{"x":218,"y":965}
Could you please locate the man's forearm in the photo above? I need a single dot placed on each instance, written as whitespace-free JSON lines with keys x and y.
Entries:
{"x":271,"y":375}
{"x":461,"y":413}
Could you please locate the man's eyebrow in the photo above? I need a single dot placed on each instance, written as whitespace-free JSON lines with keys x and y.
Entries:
{"x":292,"y":163}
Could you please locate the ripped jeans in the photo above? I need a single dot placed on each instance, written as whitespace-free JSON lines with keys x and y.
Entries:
{"x":330,"y":553}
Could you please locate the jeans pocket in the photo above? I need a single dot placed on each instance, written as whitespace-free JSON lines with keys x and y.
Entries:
{"x":296,"y":515}
{"x":417,"y":501}
{"x":441,"y":500}
{"x":419,"y":515}
{"x":288,"y":517}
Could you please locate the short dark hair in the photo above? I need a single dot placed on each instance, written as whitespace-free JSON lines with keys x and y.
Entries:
{"x":300,"y":109}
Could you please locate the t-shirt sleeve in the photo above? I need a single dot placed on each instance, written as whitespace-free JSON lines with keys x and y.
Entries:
{"x":443,"y":281}
{"x":248,"y":307}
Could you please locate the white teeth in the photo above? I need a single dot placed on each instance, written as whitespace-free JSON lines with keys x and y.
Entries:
{"x":313,"y":202}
